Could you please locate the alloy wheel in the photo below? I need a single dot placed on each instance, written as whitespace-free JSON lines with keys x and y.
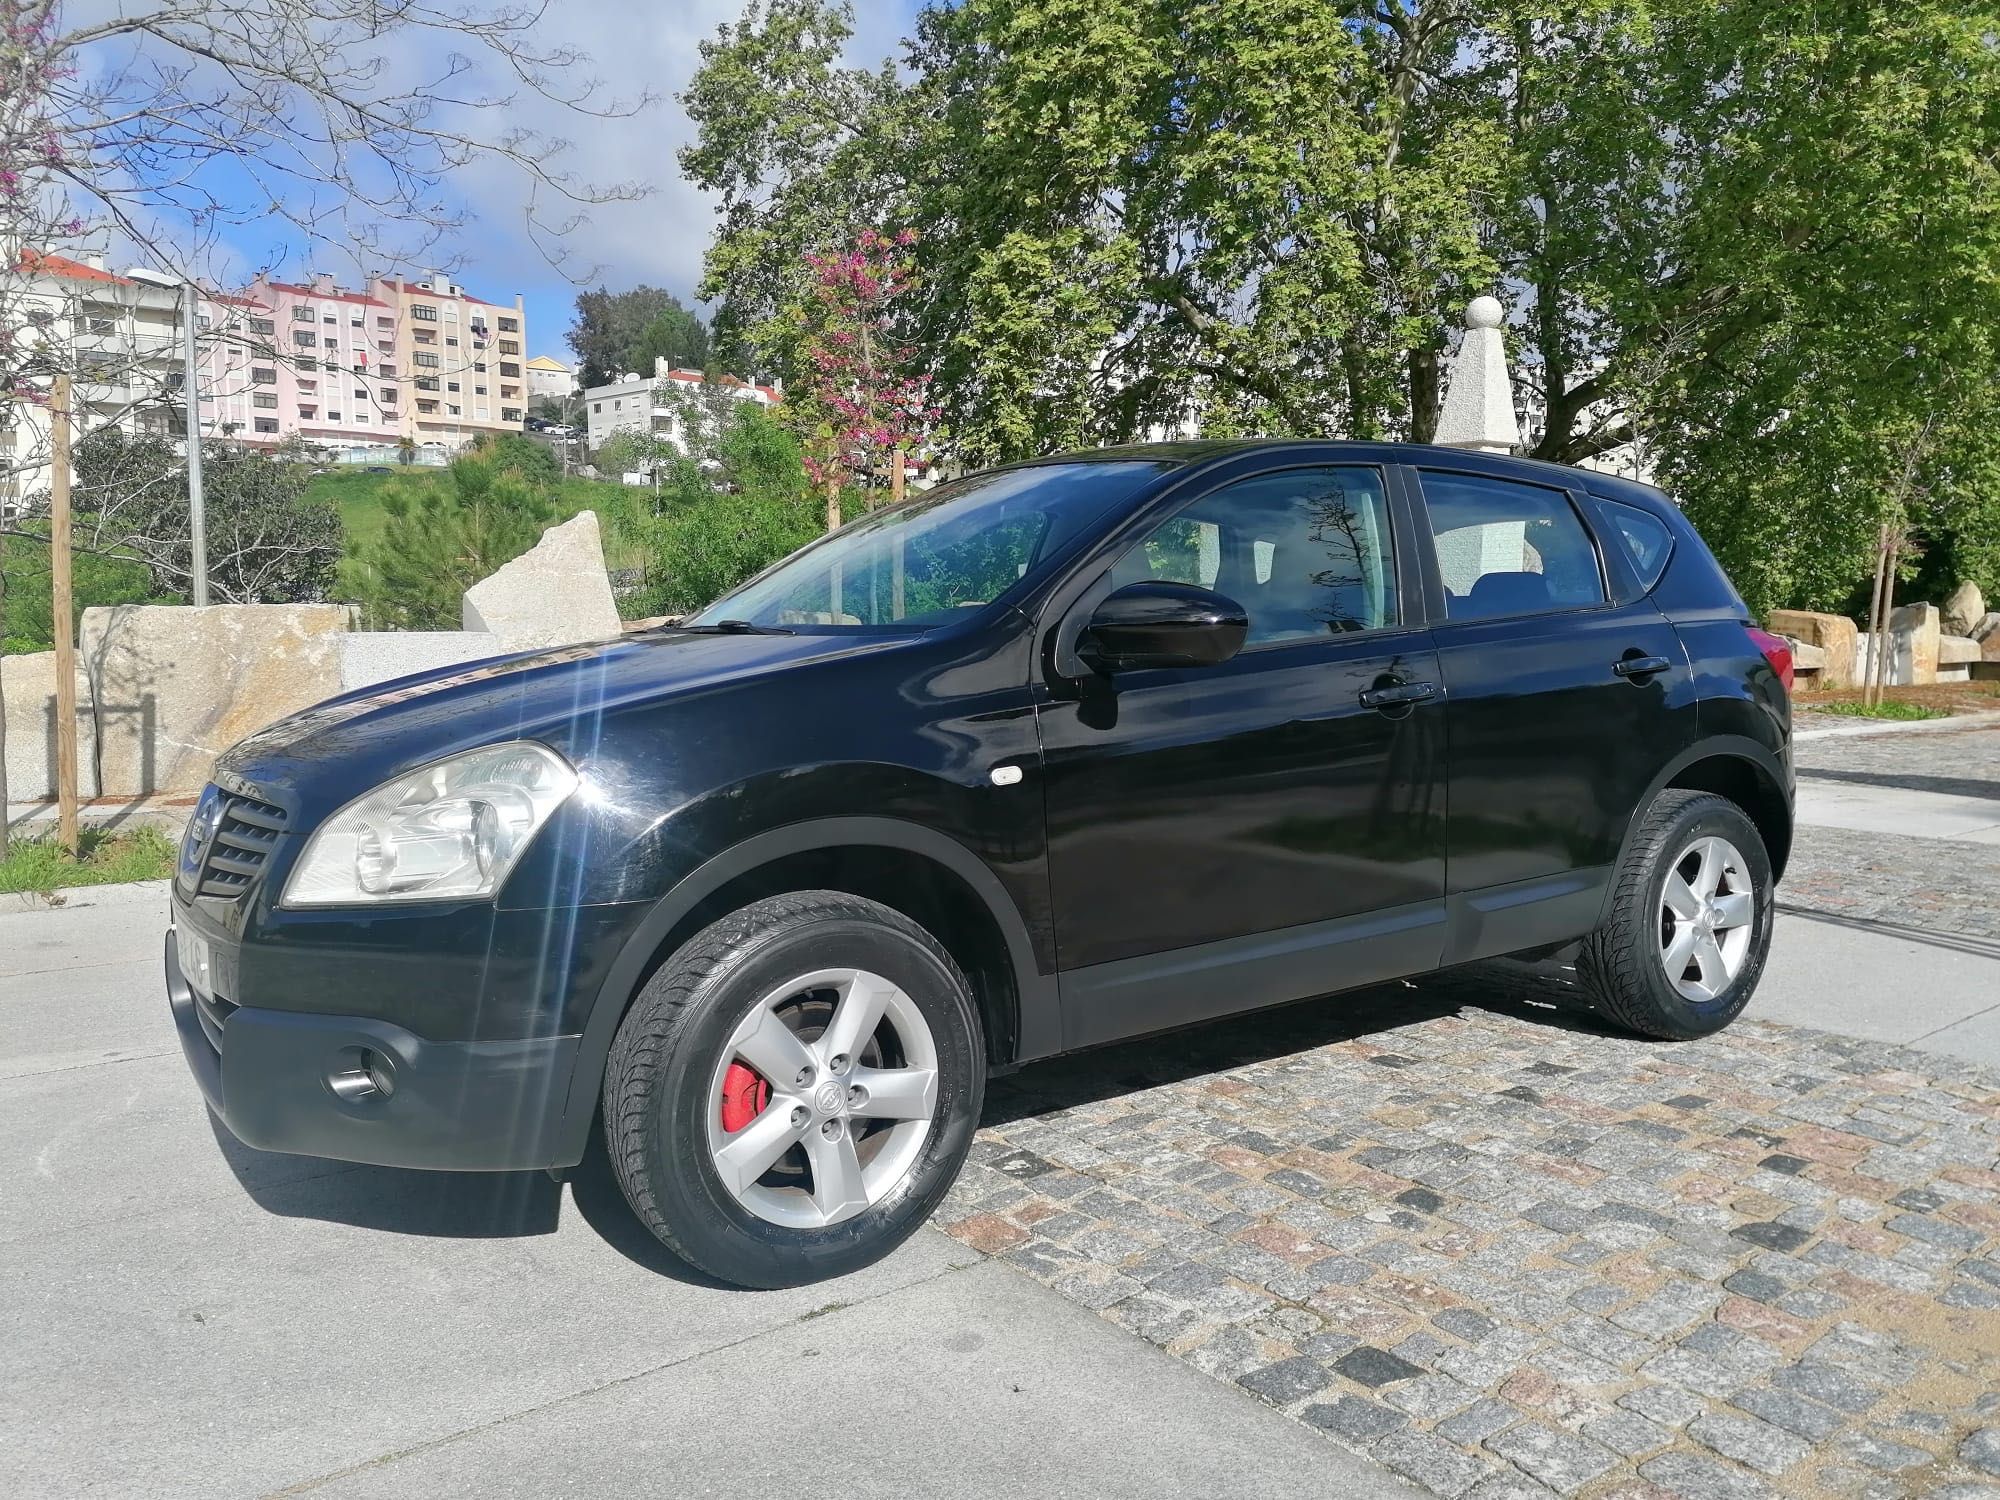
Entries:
{"x":823,"y":1098}
{"x":1707,"y":918}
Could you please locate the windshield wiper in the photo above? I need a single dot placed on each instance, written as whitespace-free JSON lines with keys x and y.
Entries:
{"x":739,"y":627}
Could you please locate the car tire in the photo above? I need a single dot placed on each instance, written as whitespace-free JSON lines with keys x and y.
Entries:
{"x":690,"y":1108}
{"x":1689,"y":927}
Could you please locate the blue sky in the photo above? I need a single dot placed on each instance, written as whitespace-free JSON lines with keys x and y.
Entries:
{"x":650,"y":45}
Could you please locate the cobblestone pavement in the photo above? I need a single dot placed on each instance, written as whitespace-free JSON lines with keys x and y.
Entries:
{"x":1508,"y":1255}
{"x":1937,"y":884}
{"x":1964,"y":761}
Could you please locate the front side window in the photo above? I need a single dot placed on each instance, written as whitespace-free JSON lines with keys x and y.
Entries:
{"x":1509,"y":549}
{"x":917,"y":565}
{"x":1306,"y":552}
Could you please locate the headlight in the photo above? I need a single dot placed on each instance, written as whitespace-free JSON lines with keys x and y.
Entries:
{"x":451,"y":830}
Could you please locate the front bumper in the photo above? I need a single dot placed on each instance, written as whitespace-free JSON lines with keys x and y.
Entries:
{"x":270,"y":1076}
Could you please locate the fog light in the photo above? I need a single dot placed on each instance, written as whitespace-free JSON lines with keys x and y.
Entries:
{"x":366,"y":1075}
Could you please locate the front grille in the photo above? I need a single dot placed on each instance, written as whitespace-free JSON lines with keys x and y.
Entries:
{"x":245,"y":833}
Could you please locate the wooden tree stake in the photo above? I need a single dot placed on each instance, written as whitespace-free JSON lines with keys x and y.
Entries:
{"x":62,"y":617}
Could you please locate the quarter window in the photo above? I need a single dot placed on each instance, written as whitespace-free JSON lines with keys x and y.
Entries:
{"x":1646,"y":539}
{"x":1306,"y":552}
{"x":1509,"y":549}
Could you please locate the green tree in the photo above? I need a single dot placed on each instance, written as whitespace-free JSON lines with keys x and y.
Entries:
{"x":616,"y":332}
{"x":267,"y":543}
{"x":453,"y":533}
{"x":517,"y":453}
{"x":722,"y":522}
{"x":1757,"y":240}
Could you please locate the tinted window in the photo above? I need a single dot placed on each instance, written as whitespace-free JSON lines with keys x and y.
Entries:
{"x":1509,"y":549}
{"x":1646,"y":539}
{"x":917,"y":564}
{"x":1306,"y":552}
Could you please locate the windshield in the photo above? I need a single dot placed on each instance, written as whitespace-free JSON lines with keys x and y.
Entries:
{"x":916,"y":565}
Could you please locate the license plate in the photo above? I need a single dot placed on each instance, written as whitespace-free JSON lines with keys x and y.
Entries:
{"x":191,"y":953}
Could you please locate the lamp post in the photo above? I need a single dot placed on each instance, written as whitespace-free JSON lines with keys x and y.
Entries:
{"x":191,"y":390}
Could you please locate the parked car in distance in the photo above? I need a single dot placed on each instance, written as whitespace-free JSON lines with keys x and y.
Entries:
{"x":1048,"y":757}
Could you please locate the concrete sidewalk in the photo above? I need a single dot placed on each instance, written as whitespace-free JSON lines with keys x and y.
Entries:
{"x":185,"y":1317}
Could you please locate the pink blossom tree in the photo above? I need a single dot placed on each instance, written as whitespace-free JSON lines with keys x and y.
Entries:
{"x":865,"y":402}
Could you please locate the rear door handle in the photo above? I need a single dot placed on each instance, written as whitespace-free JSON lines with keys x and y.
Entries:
{"x":1641,"y":666}
{"x":1399,"y":693}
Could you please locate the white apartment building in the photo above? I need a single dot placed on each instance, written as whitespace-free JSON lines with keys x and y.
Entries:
{"x":631,"y":404}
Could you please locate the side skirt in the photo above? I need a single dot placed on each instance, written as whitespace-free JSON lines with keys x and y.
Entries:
{"x":1133,"y":997}
{"x":1523,"y":914}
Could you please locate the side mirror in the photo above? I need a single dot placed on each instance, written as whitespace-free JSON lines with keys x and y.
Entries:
{"x":1162,"y":624}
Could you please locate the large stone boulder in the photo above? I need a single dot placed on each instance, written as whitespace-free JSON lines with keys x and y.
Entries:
{"x":1957,"y":650}
{"x":1913,"y":644}
{"x":1988,"y":626}
{"x":28,"y":683}
{"x":175,"y":686}
{"x":1963,"y":608}
{"x":555,"y":594}
{"x":371,"y":656}
{"x":1833,"y":634}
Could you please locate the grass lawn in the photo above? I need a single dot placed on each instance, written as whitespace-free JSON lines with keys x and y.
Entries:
{"x":1888,"y":708}
{"x":106,"y":858}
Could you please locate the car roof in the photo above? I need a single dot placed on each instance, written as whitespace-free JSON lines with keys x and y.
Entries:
{"x":1202,"y":451}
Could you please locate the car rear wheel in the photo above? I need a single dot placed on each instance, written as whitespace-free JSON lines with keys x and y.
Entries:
{"x":1690,"y":922}
{"x":795,"y":1089}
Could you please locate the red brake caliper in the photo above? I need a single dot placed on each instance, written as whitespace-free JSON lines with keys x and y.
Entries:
{"x":744,"y":1095}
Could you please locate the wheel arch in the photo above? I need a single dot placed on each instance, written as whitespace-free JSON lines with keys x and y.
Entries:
{"x":1743,"y":771}
{"x":930,"y":878}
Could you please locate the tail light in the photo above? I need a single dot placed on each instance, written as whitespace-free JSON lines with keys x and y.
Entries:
{"x":1777,"y":651}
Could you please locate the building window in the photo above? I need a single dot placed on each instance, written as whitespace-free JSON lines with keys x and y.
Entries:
{"x":427,"y":407}
{"x":511,"y":371}
{"x":264,"y":398}
{"x":259,"y":375}
{"x":257,"y":325}
{"x":450,"y":342}
{"x":303,"y":314}
{"x":451,"y":385}
{"x":266,"y":424}
{"x":361,"y":417}
{"x":304,"y":339}
{"x":355,"y":321}
{"x":454,"y":411}
{"x":389,"y":396}
{"x":308,"y":413}
{"x":510,"y":325}
{"x":330,"y":318}
{"x":427,"y":382}
{"x":479,"y":390}
{"x":385,"y":322}
{"x":509,"y":392}
{"x":423,"y":312}
{"x":597,"y":406}
{"x":387,"y":372}
{"x":510,"y":413}
{"x":425,"y":361}
{"x":333,"y":416}
{"x":479,"y":367}
{"x":360,"y":395}
{"x":425,"y":336}
{"x":510,"y":346}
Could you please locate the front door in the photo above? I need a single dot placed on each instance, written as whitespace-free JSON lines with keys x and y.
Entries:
{"x":1237,"y":835}
{"x":1569,"y":693}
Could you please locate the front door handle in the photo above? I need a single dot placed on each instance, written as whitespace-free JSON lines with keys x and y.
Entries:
{"x":1397,"y":694}
{"x":1639,"y":668}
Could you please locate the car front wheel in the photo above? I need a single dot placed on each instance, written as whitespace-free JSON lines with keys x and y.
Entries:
{"x":1690,"y":923}
{"x":795,"y":1089}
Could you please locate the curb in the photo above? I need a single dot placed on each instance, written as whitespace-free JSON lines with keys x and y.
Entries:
{"x":1901,"y":726}
{"x":69,"y":898}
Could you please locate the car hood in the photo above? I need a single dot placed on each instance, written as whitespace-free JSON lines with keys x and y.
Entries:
{"x":324,"y":756}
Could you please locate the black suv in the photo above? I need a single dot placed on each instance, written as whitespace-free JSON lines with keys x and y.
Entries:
{"x":1053,"y":755}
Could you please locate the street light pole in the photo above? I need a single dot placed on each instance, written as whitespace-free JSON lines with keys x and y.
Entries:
{"x":191,"y":389}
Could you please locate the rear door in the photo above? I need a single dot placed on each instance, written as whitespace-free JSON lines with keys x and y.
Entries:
{"x":1271,"y":827}
{"x":1566,"y":693}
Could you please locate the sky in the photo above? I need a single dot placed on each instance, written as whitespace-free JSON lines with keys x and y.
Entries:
{"x":633,"y":46}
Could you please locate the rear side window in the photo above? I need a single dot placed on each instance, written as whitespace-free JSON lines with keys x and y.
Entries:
{"x":1509,"y":549}
{"x":1645,"y":538}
